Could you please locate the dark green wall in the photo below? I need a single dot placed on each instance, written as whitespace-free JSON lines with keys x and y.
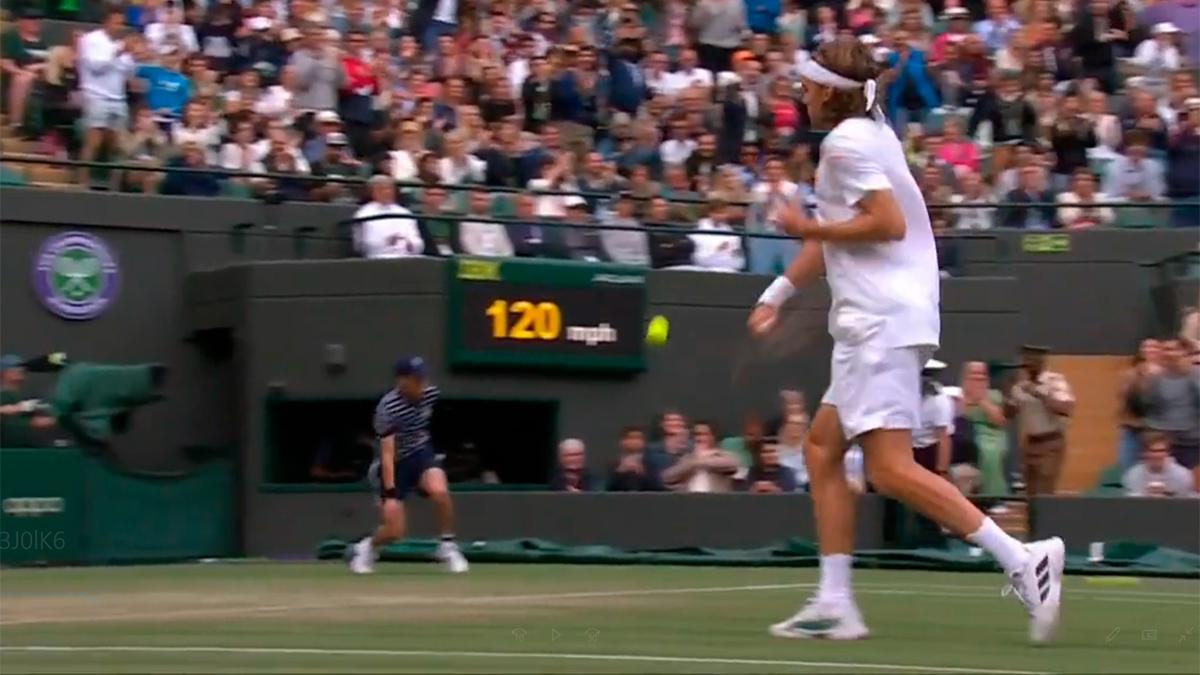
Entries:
{"x":1092,"y":299}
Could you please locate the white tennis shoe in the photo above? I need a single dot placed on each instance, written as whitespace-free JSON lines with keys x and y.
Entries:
{"x":362,"y":557}
{"x":1039,"y":587}
{"x":824,"y":619}
{"x":455,"y":561}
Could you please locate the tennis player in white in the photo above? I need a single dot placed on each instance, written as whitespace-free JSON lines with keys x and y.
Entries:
{"x":873,"y":241}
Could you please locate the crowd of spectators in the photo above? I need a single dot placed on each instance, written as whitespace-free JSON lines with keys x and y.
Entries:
{"x":663,"y":111}
{"x":998,"y":428}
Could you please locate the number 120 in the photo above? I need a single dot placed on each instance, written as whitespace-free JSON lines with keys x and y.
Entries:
{"x":541,"y":321}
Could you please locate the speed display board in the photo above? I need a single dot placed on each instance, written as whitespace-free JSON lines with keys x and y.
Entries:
{"x":545,"y":314}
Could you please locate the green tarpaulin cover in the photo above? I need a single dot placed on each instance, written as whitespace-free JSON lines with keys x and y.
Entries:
{"x":1121,"y":558}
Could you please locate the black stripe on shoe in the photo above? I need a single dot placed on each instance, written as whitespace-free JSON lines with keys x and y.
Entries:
{"x":1045,"y":591}
{"x":1043,"y":565}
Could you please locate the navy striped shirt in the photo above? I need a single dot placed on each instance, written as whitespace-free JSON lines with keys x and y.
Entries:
{"x":408,"y":421}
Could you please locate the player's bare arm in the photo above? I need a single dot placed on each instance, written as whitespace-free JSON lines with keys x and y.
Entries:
{"x":806,"y":267}
{"x":880,"y":220}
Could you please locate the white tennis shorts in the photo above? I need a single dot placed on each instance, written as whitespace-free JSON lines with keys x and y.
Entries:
{"x":876,"y":387}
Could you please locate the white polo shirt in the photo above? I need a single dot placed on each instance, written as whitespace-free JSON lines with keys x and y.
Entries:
{"x":887,"y":292}
{"x":396,"y":237}
{"x":104,"y":67}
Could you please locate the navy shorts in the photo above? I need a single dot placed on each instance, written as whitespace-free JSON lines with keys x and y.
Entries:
{"x":409,"y":470}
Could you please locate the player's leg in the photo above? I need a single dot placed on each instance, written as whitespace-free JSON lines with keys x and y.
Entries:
{"x":832,"y":612}
{"x":390,"y":528}
{"x":833,"y":500}
{"x":1035,"y":570}
{"x":435,"y":486}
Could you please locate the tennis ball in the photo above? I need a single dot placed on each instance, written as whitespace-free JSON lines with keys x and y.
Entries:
{"x":658,"y":330}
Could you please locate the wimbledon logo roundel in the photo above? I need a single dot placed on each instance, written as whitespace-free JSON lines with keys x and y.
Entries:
{"x":75,"y":275}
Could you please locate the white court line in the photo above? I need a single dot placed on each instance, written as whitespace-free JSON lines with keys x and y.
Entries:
{"x":400,"y":600}
{"x":637,"y":658}
{"x":416,"y":600}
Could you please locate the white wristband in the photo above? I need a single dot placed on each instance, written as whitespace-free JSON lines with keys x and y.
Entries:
{"x":778,"y":292}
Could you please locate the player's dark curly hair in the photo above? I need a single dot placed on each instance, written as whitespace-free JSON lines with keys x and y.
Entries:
{"x":849,"y":57}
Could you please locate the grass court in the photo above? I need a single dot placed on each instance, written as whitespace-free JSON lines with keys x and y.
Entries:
{"x":316,"y":618}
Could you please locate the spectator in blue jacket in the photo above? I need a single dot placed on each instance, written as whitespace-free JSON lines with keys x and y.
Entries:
{"x":762,"y":15}
{"x":167,"y":89}
{"x":627,"y":85}
{"x":190,"y":183}
{"x":912,"y":92}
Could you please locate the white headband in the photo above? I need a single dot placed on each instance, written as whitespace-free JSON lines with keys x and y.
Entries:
{"x":814,"y":71}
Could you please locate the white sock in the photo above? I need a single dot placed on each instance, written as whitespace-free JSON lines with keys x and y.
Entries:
{"x":835,"y":576}
{"x":1009,"y":552}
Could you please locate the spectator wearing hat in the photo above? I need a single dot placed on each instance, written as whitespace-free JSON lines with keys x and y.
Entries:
{"x":337,"y":162}
{"x":1041,"y":401}
{"x":931,"y":438}
{"x":1183,"y":164}
{"x":384,"y":229}
{"x":582,"y":242}
{"x":958,"y":26}
{"x":1159,"y":54}
{"x":625,"y":246}
{"x":22,"y":60}
{"x":24,"y":421}
{"x":479,"y":235}
{"x":1079,"y":210}
{"x":325,"y":122}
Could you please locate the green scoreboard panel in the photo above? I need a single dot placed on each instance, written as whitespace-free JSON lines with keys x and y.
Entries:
{"x":545,"y":314}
